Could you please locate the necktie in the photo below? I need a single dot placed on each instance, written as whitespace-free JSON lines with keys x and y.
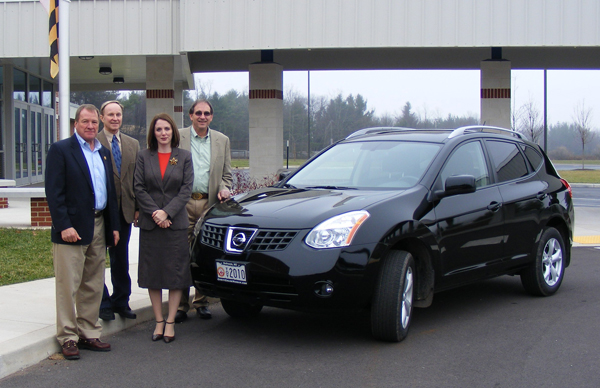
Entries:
{"x":116,"y":153}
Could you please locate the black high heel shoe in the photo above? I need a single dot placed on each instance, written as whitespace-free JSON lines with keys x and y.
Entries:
{"x":157,"y":337}
{"x":166,"y":337}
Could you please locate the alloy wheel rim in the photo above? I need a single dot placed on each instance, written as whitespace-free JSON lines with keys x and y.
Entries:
{"x":407,"y":298}
{"x":552,"y":261}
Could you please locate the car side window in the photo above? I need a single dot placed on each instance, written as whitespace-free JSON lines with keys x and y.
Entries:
{"x":507,"y":160}
{"x":467,"y":159}
{"x":533,"y":156}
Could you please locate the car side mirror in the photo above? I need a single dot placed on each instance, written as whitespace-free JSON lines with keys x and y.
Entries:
{"x":457,"y":184}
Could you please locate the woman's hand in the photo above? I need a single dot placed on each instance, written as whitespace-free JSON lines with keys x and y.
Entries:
{"x":165,"y":224}
{"x":160,"y":216}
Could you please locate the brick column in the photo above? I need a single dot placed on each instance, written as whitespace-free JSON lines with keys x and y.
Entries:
{"x":160,"y":93}
{"x":266,"y":119}
{"x":40,"y":213}
{"x":3,"y":203}
{"x":495,"y":93}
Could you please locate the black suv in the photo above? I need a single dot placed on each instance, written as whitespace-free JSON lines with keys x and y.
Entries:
{"x":385,"y":218}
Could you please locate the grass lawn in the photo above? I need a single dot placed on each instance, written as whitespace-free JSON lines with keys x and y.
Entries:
{"x":25,"y":255}
{"x":580,"y":176}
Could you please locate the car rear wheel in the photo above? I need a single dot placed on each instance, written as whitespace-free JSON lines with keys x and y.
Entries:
{"x":392,"y":307}
{"x":545,"y":274}
{"x":239,"y":309}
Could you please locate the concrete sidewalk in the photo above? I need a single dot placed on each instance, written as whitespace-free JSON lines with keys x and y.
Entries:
{"x":28,"y":320}
{"x":27,"y":323}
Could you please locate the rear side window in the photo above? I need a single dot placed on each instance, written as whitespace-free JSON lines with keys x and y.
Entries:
{"x":533,"y":156}
{"x":507,"y":160}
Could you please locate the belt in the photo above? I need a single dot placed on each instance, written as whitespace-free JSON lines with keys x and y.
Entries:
{"x":98,"y":213}
{"x":199,"y":195}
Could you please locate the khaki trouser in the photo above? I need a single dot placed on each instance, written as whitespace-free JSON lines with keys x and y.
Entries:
{"x":79,"y":271}
{"x":196,"y":208}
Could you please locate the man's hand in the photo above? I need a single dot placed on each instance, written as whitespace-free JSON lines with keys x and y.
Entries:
{"x":223,"y":195}
{"x":70,"y":235}
{"x":136,"y":217}
{"x":116,"y":237}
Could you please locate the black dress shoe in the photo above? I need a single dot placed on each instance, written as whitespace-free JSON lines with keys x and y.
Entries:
{"x":167,"y":338}
{"x":126,"y":313}
{"x":107,"y":314}
{"x":203,"y":312}
{"x":180,"y":316}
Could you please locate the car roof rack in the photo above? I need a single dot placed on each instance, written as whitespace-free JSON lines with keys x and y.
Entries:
{"x":367,"y":131}
{"x":484,"y":128}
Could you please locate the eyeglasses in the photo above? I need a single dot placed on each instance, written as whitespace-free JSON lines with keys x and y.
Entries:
{"x":200,"y":113}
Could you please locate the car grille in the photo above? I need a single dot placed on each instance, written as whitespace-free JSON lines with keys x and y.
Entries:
{"x":272,"y":240}
{"x":264,"y":240}
{"x":213,"y":236}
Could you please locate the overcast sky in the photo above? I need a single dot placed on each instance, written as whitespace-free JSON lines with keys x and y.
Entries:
{"x":435,"y":92}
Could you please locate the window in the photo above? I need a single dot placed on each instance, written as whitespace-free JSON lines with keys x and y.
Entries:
{"x":20,"y":85}
{"x":35,"y":90}
{"x":507,"y":160}
{"x":534,"y":157}
{"x":467,"y":159}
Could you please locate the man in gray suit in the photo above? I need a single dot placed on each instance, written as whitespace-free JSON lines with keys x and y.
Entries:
{"x":211,"y":156}
{"x":124,"y":151}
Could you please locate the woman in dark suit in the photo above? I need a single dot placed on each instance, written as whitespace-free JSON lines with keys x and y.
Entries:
{"x":163,"y":185}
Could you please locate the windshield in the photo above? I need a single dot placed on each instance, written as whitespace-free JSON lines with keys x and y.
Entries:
{"x":374,"y":164}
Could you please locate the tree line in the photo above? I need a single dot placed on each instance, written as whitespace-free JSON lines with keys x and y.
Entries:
{"x":331,"y":119}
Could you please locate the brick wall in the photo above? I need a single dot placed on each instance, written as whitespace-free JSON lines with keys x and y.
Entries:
{"x":40,"y":214}
{"x":3,"y":203}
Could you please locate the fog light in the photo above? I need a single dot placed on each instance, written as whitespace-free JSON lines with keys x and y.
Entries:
{"x":324,"y":288}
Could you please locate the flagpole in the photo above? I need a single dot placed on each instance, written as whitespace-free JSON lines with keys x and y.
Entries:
{"x":64,"y":58}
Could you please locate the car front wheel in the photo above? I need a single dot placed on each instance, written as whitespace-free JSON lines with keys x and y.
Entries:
{"x":392,"y":307}
{"x":239,"y":309}
{"x":545,"y":274}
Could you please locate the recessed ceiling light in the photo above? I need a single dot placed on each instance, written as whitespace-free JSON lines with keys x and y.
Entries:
{"x":105,"y":70}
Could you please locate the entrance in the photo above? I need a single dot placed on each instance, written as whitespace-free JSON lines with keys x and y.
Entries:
{"x":34,"y":132}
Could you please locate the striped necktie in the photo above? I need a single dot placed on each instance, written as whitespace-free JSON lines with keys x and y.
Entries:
{"x":116,"y":153}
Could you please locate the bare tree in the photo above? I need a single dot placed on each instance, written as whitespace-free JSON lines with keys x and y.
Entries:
{"x":582,"y":117}
{"x":530,"y":121}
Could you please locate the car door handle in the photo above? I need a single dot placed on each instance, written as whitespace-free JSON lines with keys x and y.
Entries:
{"x":541,"y":195}
{"x":494,"y":206}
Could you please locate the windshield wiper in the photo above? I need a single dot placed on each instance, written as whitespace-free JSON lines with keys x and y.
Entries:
{"x":288,"y":186}
{"x":332,"y":187}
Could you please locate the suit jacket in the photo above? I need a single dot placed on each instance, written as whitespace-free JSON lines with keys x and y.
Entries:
{"x":70,"y":193}
{"x":220,"y":161}
{"x":170,"y":193}
{"x":124,"y":182}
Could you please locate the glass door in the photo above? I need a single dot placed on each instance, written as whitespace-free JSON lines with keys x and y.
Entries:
{"x":49,"y":134}
{"x":21,"y":140}
{"x":35,"y":145}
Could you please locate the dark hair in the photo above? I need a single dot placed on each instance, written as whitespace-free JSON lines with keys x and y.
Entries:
{"x":191,"y":111}
{"x":88,"y":107}
{"x":151,"y":138}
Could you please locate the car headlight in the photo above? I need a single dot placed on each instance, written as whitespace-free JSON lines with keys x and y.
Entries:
{"x":337,"y":231}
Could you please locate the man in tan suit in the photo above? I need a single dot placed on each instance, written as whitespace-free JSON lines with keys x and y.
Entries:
{"x":124,"y":150}
{"x":211,"y":156}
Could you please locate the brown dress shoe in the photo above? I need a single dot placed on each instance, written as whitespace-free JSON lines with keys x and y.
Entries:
{"x":94,"y":344}
{"x":70,"y":350}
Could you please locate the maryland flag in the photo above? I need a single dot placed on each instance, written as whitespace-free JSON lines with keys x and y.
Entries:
{"x":53,"y":36}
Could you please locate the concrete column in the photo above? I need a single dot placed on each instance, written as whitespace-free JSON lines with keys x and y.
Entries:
{"x":266,"y":119}
{"x":159,"y":86}
{"x":495,"y":93}
{"x":178,"y":105}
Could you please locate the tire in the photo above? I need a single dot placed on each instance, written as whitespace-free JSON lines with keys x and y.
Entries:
{"x":544,"y":276}
{"x":239,"y":309}
{"x":392,"y":307}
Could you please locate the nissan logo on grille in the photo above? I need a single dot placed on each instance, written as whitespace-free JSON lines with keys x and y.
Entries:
{"x":238,"y":239}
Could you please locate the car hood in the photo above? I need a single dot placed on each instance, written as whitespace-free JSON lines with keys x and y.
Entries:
{"x":293,"y":208}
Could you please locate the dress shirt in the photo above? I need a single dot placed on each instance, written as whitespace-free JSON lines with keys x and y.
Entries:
{"x":96,"y":167}
{"x":200,"y":147}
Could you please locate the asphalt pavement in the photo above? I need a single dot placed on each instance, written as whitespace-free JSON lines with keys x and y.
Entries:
{"x":27,"y":324}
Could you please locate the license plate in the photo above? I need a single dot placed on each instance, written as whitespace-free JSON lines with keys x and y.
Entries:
{"x":231,"y":272}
